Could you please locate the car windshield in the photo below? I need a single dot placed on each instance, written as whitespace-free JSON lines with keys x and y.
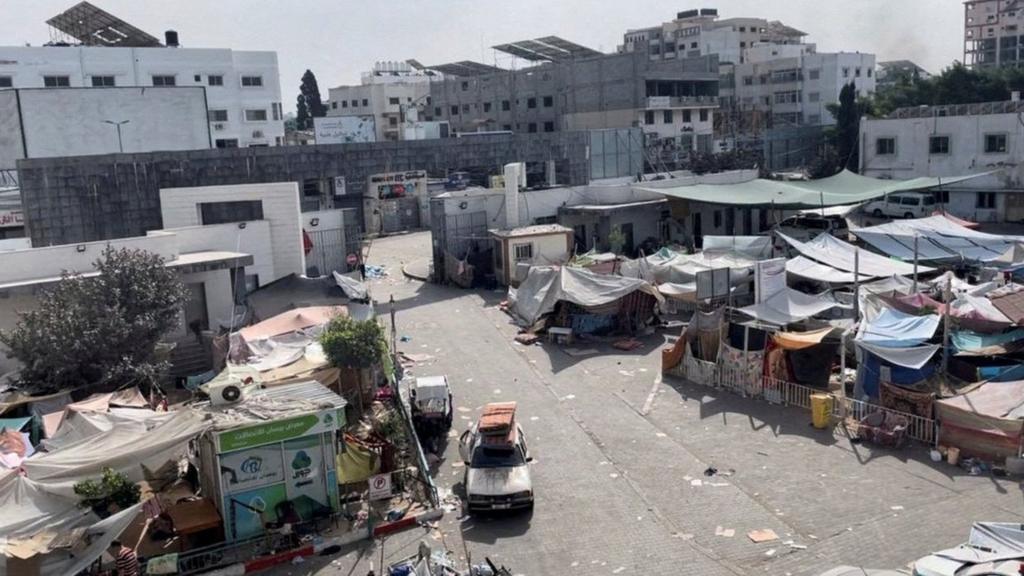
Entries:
{"x":496,"y":457}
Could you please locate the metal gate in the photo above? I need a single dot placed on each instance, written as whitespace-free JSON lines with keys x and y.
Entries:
{"x":399,"y":215}
{"x":463,"y":232}
{"x":328,"y":253}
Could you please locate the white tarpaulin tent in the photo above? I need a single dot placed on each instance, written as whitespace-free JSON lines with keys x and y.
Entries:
{"x":756,"y":247}
{"x":667,"y":266}
{"x":828,"y":250}
{"x":547,"y":285}
{"x":939,"y":238}
{"x":807,"y":268}
{"x":789,"y":306}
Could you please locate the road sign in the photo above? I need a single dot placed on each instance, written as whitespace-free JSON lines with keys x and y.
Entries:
{"x":380,"y":487}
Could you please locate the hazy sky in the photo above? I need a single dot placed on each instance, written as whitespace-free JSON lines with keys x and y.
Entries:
{"x":339,"y":39}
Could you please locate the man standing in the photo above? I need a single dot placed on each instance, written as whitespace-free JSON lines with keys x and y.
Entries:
{"x":126,"y":562}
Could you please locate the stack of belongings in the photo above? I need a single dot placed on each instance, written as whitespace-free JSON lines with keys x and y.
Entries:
{"x":498,"y":424}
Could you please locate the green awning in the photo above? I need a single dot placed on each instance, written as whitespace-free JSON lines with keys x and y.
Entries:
{"x":15,"y":424}
{"x":843,"y":188}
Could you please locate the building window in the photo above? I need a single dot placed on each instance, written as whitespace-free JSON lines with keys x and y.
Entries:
{"x":164,"y":80}
{"x":649,"y":117}
{"x":986,"y":200}
{"x":6,"y":82}
{"x":197,"y":78}
{"x":814,"y":97}
{"x":885,"y":146}
{"x":938,"y":145}
{"x":465,"y":108}
{"x":227,"y":143}
{"x":487,"y":106}
{"x":392,"y":101}
{"x":666,"y":116}
{"x":814,"y":74}
{"x":255,"y":115}
{"x":392,"y":121}
{"x":549,"y":126}
{"x":252,"y":81}
{"x":549,"y":101}
{"x":275,"y":109}
{"x":856,"y":73}
{"x":787,"y":97}
{"x":743,"y":44}
{"x":465,"y":86}
{"x":506,"y":105}
{"x":365,"y":102}
{"x":455,"y":110}
{"x":531,"y":127}
{"x":507,"y":127}
{"x":215,"y":80}
{"x":437,"y":111}
{"x":748,"y":80}
{"x":869,"y":72}
{"x":218,"y":115}
{"x":941,"y":196}
{"x":101,"y":81}
{"x":846,"y":72}
{"x":995,"y":143}
{"x":717,"y":219}
{"x":687,"y":116}
{"x":704,"y":115}
{"x":227,"y":212}
{"x":334,"y":105}
{"x":522,"y":252}
{"x":344,"y":103}
{"x":531,"y":102}
{"x":56,"y":81}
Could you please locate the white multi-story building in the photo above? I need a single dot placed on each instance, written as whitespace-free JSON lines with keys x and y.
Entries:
{"x":700,"y":33}
{"x":386,"y":95}
{"x":243,"y":88}
{"x":792,"y":85}
{"x":992,"y":33}
{"x":955,"y":140}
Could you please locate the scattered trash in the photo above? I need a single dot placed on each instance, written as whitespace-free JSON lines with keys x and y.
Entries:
{"x":298,"y":560}
{"x":405,"y":338}
{"x":534,"y":418}
{"x":416,"y":357}
{"x":574,"y":564}
{"x":895,"y":507}
{"x":613,"y":475}
{"x":682,"y":536}
{"x":570,"y":396}
{"x":724,"y":532}
{"x":394,"y":515}
{"x":527,"y":338}
{"x":628,"y":344}
{"x":330,"y":550}
{"x":463,"y":409}
{"x":576,"y":352}
{"x":763,"y":535}
{"x":497,"y":391}
{"x":798,"y":547}
{"x":710,"y":471}
{"x":660,"y":434}
{"x":469,"y":379}
{"x":619,"y":570}
{"x":626,"y":373}
{"x":762,"y":453}
{"x":770,"y":553}
{"x":716,"y":484}
{"x":696,"y":482}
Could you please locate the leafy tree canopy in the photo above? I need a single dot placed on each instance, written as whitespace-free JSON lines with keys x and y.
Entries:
{"x":352,"y":343}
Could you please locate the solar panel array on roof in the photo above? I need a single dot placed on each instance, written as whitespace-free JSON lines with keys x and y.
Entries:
{"x":548,"y":48}
{"x":465,"y":68}
{"x":93,"y":26}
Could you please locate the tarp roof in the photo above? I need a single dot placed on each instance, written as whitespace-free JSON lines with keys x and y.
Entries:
{"x":895,"y":329}
{"x":788,"y":306}
{"x":292,"y":321}
{"x":834,"y":253}
{"x":546,"y":285}
{"x":1003,"y":400}
{"x":843,"y":188}
{"x":938,"y":238}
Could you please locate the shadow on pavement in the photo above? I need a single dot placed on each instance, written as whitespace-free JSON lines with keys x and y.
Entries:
{"x":488,"y":528}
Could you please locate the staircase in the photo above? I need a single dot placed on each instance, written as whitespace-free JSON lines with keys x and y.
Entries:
{"x":190,"y":357}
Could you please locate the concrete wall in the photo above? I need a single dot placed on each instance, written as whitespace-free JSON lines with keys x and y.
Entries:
{"x":180,"y":207}
{"x":547,"y":250}
{"x":88,"y":198}
{"x":220,"y":302}
{"x":254,"y":239}
{"x":71,"y":121}
{"x":52,"y":261}
{"x":27,"y":67}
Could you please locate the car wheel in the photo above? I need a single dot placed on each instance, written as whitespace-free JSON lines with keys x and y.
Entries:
{"x":877,"y":213}
{"x":908,"y":215}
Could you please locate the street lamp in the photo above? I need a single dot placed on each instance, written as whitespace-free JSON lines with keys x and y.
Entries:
{"x":120,"y":144}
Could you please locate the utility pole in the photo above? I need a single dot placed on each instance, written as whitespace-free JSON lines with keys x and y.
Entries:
{"x":945,"y":324}
{"x":120,"y":143}
{"x":915,"y":263}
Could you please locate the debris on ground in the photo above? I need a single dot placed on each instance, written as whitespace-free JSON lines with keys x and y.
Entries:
{"x":763,"y":535}
{"x":405,"y":338}
{"x":770,"y":553}
{"x":527,"y":338}
{"x":576,"y":352}
{"x":724,"y":532}
{"x":628,"y":344}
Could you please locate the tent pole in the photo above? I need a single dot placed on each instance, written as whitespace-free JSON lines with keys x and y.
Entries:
{"x":915,"y":263}
{"x":856,"y":284}
{"x":821,"y":198}
{"x":945,"y":325}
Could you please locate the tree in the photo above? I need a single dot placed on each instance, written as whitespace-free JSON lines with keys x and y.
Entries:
{"x":112,"y":488}
{"x":956,"y":84}
{"x":846,"y":133}
{"x":99,"y":333}
{"x":309,"y":98}
{"x":825,"y":164}
{"x":302,"y":119}
{"x":352,"y":343}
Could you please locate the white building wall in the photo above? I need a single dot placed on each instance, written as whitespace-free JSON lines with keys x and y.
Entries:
{"x":254,"y":239}
{"x":52,"y":261}
{"x":27,"y":67}
{"x":180,"y":208}
{"x":220,"y":303}
{"x":385,"y":101}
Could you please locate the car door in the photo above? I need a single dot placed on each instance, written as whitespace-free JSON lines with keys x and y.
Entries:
{"x":466,"y":445}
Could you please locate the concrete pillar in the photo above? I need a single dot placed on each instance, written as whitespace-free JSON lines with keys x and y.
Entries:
{"x":515,"y":176}
{"x":549,"y":172}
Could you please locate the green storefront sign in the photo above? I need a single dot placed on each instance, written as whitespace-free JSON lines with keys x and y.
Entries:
{"x":276,"y":431}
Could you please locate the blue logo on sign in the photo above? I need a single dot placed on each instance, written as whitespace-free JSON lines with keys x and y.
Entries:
{"x":252,"y":465}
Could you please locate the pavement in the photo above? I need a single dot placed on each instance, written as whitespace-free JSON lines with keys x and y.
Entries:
{"x":620,"y":460}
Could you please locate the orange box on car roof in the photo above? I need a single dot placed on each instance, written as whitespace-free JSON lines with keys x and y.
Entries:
{"x":497,"y":418}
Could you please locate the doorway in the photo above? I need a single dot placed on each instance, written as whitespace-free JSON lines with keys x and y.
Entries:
{"x":698,"y":231}
{"x":196,"y":318}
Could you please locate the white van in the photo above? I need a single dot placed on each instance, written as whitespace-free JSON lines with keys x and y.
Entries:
{"x":903,"y":205}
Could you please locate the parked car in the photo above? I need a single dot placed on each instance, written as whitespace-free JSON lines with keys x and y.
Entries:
{"x":807,"y":226}
{"x":430,"y":402}
{"x":903,"y":205}
{"x":497,"y":461}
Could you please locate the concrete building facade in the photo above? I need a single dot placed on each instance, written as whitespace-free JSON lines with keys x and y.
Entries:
{"x":954,"y":140}
{"x":243,"y":88}
{"x":993,"y":33}
{"x":43,"y":123}
{"x":118,"y":195}
{"x":386,"y":94}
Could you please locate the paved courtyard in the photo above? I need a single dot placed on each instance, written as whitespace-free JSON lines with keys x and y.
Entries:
{"x":620,"y":457}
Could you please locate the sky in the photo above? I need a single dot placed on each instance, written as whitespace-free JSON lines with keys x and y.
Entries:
{"x":339,"y":39}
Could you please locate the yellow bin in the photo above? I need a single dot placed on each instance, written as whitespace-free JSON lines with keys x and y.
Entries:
{"x":821,"y":410}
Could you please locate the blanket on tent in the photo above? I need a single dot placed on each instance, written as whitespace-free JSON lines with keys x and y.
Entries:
{"x":545,"y":286}
{"x":987,"y":421}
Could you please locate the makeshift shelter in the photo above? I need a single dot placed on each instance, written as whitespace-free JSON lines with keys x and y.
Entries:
{"x":789,"y":306}
{"x":938,"y":238}
{"x":987,"y":422}
{"x":810,"y":355}
{"x":546,"y":286}
{"x":843,"y":188}
{"x":753,"y":247}
{"x":669,"y":266}
{"x":836,"y":261}
{"x":292,"y":292}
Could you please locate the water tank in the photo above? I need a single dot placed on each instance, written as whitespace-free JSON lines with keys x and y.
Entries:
{"x":171,"y":38}
{"x":687,"y":14}
{"x":709,"y":11}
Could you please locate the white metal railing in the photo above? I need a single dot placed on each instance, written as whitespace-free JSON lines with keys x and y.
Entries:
{"x":919,"y":428}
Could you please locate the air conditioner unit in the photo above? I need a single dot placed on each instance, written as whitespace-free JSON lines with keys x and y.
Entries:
{"x":226,"y":393}
{"x":218,"y":126}
{"x":257,"y":133}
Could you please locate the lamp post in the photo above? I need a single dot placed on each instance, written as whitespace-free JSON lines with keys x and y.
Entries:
{"x":120,"y":143}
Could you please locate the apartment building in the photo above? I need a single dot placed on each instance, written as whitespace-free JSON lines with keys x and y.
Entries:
{"x":954,"y":140}
{"x":386,"y":96}
{"x":993,"y":33}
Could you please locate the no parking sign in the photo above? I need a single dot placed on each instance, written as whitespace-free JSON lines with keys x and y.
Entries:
{"x":380,"y":487}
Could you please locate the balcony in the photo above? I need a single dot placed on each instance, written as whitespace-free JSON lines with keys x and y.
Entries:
{"x":670,"y":102}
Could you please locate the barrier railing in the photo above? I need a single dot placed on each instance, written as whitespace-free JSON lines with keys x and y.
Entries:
{"x":919,"y":428}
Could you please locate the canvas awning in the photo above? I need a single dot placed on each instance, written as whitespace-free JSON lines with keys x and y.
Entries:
{"x":843,"y":188}
{"x":895,"y":329}
{"x":788,"y":306}
{"x":545,"y":286}
{"x":828,"y":250}
{"x":801,"y":340}
{"x":986,"y":421}
{"x":807,"y":268}
{"x":938,"y":238}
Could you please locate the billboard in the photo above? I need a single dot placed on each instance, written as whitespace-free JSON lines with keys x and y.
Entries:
{"x":344,"y":129}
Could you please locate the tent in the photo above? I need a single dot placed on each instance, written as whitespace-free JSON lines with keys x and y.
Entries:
{"x":755,"y":247}
{"x":895,"y":329}
{"x":843,"y":256}
{"x":545,"y":286}
{"x":843,"y":188}
{"x":676,"y":267}
{"x":986,"y":422}
{"x":789,"y":306}
{"x":938,"y":238}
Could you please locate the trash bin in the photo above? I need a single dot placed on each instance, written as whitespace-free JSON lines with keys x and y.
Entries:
{"x":821,"y":410}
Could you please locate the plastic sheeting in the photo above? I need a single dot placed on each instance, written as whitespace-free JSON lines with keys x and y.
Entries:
{"x":986,"y":421}
{"x":668,"y":266}
{"x":843,"y":256}
{"x":969,"y":341}
{"x":938,"y":238}
{"x":788,"y":306}
{"x":895,"y":329}
{"x":353,"y":288}
{"x":801,"y":340}
{"x":807,"y":268}
{"x":545,"y":286}
{"x":755,"y":247}
{"x":914,"y":357}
